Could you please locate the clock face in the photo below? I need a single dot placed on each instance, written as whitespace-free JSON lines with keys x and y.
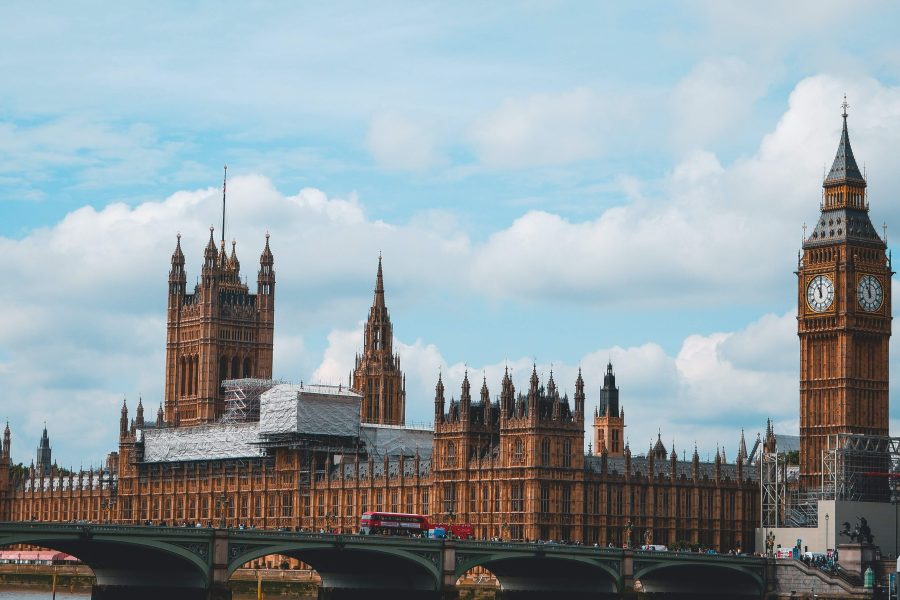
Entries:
{"x":869,"y":293}
{"x":820,"y":293}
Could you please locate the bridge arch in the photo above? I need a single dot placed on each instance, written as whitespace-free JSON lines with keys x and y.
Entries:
{"x":120,"y":561}
{"x":570,"y":576}
{"x":694,"y":579}
{"x":353,"y":565}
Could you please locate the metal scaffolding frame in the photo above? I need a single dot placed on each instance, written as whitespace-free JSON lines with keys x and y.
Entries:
{"x":772,"y":486}
{"x":242,"y":399}
{"x":857,"y":467}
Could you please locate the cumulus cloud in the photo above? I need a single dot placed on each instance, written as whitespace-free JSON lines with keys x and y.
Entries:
{"x":713,"y":99}
{"x":540,"y":130}
{"x":698,"y":394}
{"x":667,"y":246}
{"x":398,"y":141}
{"x":84,"y":321}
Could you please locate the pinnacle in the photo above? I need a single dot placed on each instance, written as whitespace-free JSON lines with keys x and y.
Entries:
{"x":844,"y":167}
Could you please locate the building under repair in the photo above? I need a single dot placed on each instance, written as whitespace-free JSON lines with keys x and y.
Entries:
{"x":231,"y":446}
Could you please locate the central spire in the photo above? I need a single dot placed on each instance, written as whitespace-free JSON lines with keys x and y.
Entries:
{"x":379,"y":285}
{"x":844,"y":168}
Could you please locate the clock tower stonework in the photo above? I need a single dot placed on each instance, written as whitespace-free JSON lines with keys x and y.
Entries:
{"x":843,"y":318}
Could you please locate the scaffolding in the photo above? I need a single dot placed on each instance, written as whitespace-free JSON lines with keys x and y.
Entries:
{"x":856,"y":467}
{"x":772,"y":486}
{"x":242,"y":399}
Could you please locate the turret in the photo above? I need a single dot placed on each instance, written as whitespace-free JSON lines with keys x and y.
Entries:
{"x":627,"y":460}
{"x":695,"y":465}
{"x":43,"y":453}
{"x":234,"y":265}
{"x":123,"y":420}
{"x":533,"y":392}
{"x":486,"y":402}
{"x":579,"y":397}
{"x":139,"y":414}
{"x":6,"y":445}
{"x":507,"y":396}
{"x":210,"y":258}
{"x":160,"y":417}
{"x":742,"y":448}
{"x":265,"y":288}
{"x":673,"y":464}
{"x":553,"y":393}
{"x":439,"y":401}
{"x":177,"y":276}
{"x":609,"y":394}
{"x":465,"y":399}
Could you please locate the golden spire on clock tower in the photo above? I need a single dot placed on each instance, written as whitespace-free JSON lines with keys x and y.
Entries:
{"x":843,"y":318}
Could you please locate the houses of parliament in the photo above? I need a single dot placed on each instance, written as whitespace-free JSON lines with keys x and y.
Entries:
{"x":230,"y":445}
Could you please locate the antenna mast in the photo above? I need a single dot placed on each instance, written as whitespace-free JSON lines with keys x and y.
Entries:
{"x":224,"y":181}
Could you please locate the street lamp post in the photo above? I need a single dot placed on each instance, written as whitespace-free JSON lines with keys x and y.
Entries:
{"x":222,"y":504}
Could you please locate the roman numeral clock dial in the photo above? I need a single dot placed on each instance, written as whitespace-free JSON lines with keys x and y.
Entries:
{"x":820,"y":293}
{"x":869,"y":293}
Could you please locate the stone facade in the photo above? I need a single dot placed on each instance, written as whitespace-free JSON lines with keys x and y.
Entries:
{"x":513,"y":468}
{"x":220,"y":331}
{"x":843,"y":318}
{"x":377,"y":375}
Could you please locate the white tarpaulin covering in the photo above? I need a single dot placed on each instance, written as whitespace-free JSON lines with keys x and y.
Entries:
{"x":205,"y":442}
{"x":391,"y":440}
{"x":309,"y":410}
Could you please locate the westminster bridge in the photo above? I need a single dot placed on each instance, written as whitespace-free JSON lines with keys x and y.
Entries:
{"x":175,"y":563}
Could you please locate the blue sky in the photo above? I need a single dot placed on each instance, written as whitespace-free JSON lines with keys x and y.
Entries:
{"x":555,"y":182}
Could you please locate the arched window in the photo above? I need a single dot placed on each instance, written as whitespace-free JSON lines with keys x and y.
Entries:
{"x":451,"y":454}
{"x":235,"y":367}
{"x":196,"y":370}
{"x":567,"y":453}
{"x":545,"y":452}
{"x":223,"y":369}
{"x":248,"y":370}
{"x":519,"y":452}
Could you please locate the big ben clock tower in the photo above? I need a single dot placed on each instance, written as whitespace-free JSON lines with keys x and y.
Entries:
{"x":843,"y":318}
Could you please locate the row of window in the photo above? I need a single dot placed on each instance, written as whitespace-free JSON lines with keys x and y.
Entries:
{"x":517,"y":451}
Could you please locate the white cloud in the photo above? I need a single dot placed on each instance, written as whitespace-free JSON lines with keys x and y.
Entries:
{"x":84,"y":323}
{"x":698,"y":394}
{"x":543,"y":129}
{"x":670,"y":247}
{"x":402,"y":142}
{"x":84,"y":315}
{"x":713,"y":99}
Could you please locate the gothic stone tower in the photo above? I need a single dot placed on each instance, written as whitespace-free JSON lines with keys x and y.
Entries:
{"x":377,"y":375}
{"x":609,"y":420}
{"x":844,"y":318}
{"x":220,"y":331}
{"x":43,"y":453}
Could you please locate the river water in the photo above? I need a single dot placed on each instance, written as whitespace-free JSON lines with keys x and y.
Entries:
{"x":40,"y":595}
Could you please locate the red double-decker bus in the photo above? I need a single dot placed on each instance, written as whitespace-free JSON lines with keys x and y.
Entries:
{"x":462,"y":531}
{"x":392,"y":523}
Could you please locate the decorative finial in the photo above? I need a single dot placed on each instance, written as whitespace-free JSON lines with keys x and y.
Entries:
{"x":844,"y":106}
{"x":224,"y":181}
